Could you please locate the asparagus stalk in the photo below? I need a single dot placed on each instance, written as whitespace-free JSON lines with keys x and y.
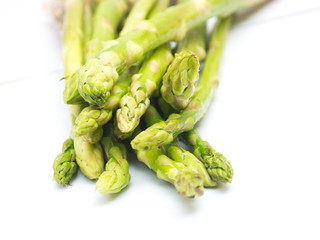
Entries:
{"x":105,"y":22}
{"x":93,"y":117}
{"x":136,"y":101}
{"x":89,"y":158}
{"x":177,"y":153}
{"x":159,"y":7}
{"x":65,"y":165}
{"x":72,"y":47}
{"x":98,"y":76}
{"x":165,"y":132}
{"x":93,"y":137}
{"x":188,"y":182}
{"x":138,"y":13}
{"x":116,"y":175}
{"x":216,"y":164}
{"x":87,"y":22}
{"x":179,"y":82}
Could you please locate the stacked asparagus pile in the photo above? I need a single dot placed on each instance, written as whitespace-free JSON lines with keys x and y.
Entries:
{"x":131,"y":88}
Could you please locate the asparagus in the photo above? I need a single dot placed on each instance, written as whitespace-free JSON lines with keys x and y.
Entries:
{"x":98,"y":75}
{"x":116,"y":175}
{"x":89,"y":157}
{"x":188,"y":182}
{"x":93,"y":137}
{"x":87,"y":22}
{"x":72,"y":48}
{"x":179,"y":82}
{"x":159,"y":6}
{"x":65,"y":165}
{"x":165,"y":132}
{"x":138,"y":13}
{"x":177,"y":153}
{"x":105,"y":22}
{"x":216,"y":164}
{"x":92,"y":117}
{"x":136,"y":101}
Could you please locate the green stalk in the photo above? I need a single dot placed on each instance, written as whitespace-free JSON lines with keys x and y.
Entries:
{"x":136,"y":101}
{"x":138,"y":13}
{"x":159,"y":7}
{"x":105,"y":23}
{"x":98,"y":76}
{"x":89,"y":158}
{"x":72,"y":47}
{"x":64,"y":165}
{"x":116,"y":175}
{"x":188,"y":182}
{"x":87,"y":22}
{"x":177,"y":153}
{"x":216,"y":164}
{"x":93,"y":117}
{"x":179,"y":82}
{"x":165,"y":132}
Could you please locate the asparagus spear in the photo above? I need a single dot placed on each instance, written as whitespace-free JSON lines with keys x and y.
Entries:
{"x":188,"y":182}
{"x":93,"y":117}
{"x":105,"y":22}
{"x":72,"y":48}
{"x":98,"y":76}
{"x":159,"y":7}
{"x":93,"y":137}
{"x":65,"y":165}
{"x":177,"y":153}
{"x":179,"y":82}
{"x":136,"y":101}
{"x":216,"y":164}
{"x":165,"y":132}
{"x":89,"y":158}
{"x":138,"y":13}
{"x":87,"y":22}
{"x":116,"y":175}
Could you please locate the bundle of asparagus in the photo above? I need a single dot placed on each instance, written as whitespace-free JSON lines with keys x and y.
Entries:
{"x":120,"y":69}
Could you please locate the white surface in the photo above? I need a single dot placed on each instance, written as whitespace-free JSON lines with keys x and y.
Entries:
{"x":265,"y":119}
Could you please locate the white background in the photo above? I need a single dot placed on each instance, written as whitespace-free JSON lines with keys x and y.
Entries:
{"x":265,"y":119}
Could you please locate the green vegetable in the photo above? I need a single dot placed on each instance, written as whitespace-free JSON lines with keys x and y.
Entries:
{"x":89,"y":158}
{"x":98,"y":75}
{"x":93,"y":117}
{"x":65,"y":165}
{"x":159,"y":7}
{"x":179,"y":82}
{"x":136,"y":101}
{"x":138,"y":13}
{"x":216,"y":164}
{"x":116,"y":175}
{"x":106,"y":19}
{"x":187,"y":181}
{"x":72,"y":48}
{"x":165,"y":132}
